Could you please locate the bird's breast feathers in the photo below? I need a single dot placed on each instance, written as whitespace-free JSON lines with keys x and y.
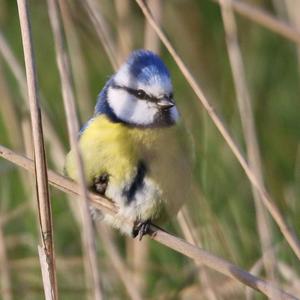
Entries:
{"x":121,"y":152}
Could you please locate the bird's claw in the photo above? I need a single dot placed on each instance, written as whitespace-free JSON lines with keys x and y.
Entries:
{"x":141,"y":228}
{"x":100,"y":183}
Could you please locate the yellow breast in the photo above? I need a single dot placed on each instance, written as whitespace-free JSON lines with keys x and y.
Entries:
{"x":109,"y":147}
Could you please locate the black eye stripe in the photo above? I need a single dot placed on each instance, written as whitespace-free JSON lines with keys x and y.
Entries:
{"x":140,"y":94}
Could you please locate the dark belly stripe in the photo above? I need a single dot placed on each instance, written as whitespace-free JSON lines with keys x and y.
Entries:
{"x":138,"y":182}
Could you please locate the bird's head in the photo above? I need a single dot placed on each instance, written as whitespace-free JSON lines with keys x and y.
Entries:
{"x":141,"y":93}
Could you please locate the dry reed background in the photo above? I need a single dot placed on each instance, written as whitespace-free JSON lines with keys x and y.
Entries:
{"x":243,"y":50}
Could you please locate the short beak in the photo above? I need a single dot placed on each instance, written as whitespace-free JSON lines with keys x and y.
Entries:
{"x":165,"y":103}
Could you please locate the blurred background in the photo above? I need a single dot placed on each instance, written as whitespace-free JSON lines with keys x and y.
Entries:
{"x":227,"y":218}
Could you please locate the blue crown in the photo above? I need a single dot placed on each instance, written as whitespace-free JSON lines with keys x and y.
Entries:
{"x":146,"y":66}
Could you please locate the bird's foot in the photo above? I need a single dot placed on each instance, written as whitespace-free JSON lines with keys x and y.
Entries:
{"x":100,"y":183}
{"x":141,"y":228}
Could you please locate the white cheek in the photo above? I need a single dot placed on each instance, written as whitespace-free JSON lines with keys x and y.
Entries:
{"x":119,"y":101}
{"x":143,"y":113}
{"x":129,"y":109}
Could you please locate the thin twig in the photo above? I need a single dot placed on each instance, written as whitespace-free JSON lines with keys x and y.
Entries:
{"x":101,"y":28}
{"x":226,"y":290}
{"x":8,"y":113}
{"x":287,"y":232}
{"x":123,"y":28}
{"x":11,"y":116}
{"x":11,"y":60}
{"x":80,"y":74}
{"x":167,"y":239}
{"x":293,"y":8}
{"x":257,"y":267}
{"x":69,"y":103}
{"x":60,"y":182}
{"x":63,"y":262}
{"x":39,"y":151}
{"x":117,"y":262}
{"x":45,"y":274}
{"x":151,"y":40}
{"x":247,"y":119}
{"x":290,"y":276}
{"x":189,"y":234}
{"x":15,"y":213}
{"x":265,"y":19}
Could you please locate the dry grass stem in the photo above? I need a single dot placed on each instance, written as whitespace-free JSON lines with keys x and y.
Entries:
{"x":9,"y":114}
{"x":39,"y":151}
{"x":124,"y":42}
{"x":5,"y":278}
{"x":293,"y":8}
{"x":102,"y":31}
{"x":117,"y":262}
{"x":171,"y":241}
{"x":28,"y":183}
{"x":190,"y":235}
{"x":11,"y":60}
{"x":63,"y":262}
{"x":80,"y":74}
{"x":287,"y":232}
{"x":69,"y":104}
{"x":247,"y":119}
{"x":228,"y":290}
{"x":138,"y":262}
{"x":60,"y":182}
{"x":266,"y":20}
{"x":13,"y":214}
{"x":290,"y":276}
{"x":45,"y":274}
{"x":152,"y":41}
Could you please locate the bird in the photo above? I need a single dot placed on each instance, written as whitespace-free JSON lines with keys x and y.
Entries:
{"x":129,"y":146}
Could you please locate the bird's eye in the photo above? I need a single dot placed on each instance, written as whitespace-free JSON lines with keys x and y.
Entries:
{"x":171,"y":96}
{"x":141,"y":94}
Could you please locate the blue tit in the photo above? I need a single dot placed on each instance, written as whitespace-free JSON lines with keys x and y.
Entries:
{"x":129,"y":145}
